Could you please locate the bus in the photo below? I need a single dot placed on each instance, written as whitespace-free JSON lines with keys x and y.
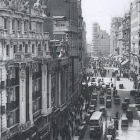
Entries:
{"x":96,"y":123}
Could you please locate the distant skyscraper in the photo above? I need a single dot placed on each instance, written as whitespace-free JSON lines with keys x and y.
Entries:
{"x":100,"y":41}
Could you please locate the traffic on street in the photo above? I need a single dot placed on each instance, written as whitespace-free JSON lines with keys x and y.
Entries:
{"x":112,"y":110}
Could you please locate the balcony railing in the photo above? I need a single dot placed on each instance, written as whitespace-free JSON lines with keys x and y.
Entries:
{"x":25,"y":126}
{"x":20,"y":56}
{"x":37,"y":114}
{"x":11,"y":106}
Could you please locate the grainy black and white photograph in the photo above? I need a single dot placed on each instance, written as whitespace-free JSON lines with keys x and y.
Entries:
{"x":69,"y":69}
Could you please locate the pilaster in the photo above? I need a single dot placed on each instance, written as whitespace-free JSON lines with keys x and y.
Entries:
{"x":10,"y":29}
{"x":44,"y":89}
{"x":59,"y":88}
{"x":50,"y":98}
{"x":22,"y":94}
{"x":31,"y":95}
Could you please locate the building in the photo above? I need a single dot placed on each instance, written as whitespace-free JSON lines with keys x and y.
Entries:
{"x":135,"y":43}
{"x":41,"y":66}
{"x":126,"y":24}
{"x":100,"y":41}
{"x":116,"y":22}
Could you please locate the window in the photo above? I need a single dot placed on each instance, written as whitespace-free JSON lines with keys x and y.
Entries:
{"x":15,"y":48}
{"x":33,"y":48}
{"x":7,"y":50}
{"x":5,"y":23}
{"x":18,"y":24}
{"x":26,"y":48}
{"x":45,"y":48}
{"x":20,"y":48}
{"x":13,"y":24}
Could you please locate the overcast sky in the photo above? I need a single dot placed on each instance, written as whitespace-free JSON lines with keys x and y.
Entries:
{"x":101,"y":11}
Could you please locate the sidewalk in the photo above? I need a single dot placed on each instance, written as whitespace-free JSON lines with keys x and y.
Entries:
{"x":128,"y":85}
{"x":78,"y":116}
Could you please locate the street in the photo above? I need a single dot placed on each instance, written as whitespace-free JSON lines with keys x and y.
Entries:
{"x":112,"y":111}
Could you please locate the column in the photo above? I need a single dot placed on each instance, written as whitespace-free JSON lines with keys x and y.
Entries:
{"x":22,"y":28}
{"x":31,"y":95}
{"x":22,"y":95}
{"x":59,"y":89}
{"x":50,"y":100}
{"x":44,"y":89}
{"x":10,"y":29}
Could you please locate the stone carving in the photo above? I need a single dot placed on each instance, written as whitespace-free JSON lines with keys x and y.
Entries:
{"x":44,"y":69}
{"x":25,"y":6}
{"x":22,"y":74}
{"x":37,"y":6}
{"x":37,"y":9}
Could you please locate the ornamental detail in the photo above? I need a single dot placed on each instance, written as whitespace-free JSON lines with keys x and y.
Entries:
{"x":44,"y":69}
{"x":22,"y":74}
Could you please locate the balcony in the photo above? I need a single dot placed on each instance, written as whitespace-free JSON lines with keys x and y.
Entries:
{"x":2,"y":85}
{"x":36,"y":95}
{"x":2,"y":110}
{"x":21,"y":56}
{"x":13,"y":130}
{"x":11,"y":106}
{"x":25,"y":126}
{"x":37,"y":114}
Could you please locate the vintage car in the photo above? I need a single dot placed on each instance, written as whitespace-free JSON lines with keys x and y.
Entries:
{"x":124,"y":105}
{"x":103,"y":109}
{"x":108,"y":103}
{"x":133,"y":92}
{"x":91,"y":109}
{"x":127,"y":100}
{"x":124,"y":121}
{"x":108,"y":90}
{"x":108,"y":97}
{"x":117,"y":101}
{"x":94,"y":102}
{"x":101,"y":99}
{"x":129,"y":114}
{"x":94,"y":96}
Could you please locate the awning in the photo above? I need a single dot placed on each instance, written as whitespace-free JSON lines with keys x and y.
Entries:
{"x":124,"y":62}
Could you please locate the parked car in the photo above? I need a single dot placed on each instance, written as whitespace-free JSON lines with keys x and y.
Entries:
{"x":108,"y":90}
{"x":124,"y":105}
{"x":137,"y":100}
{"x":108,"y":97}
{"x":129,"y":114}
{"x":133,"y":92}
{"x":108,"y":103}
{"x":117,"y":101}
{"x":124,"y":121}
{"x":103,"y":109}
{"x":91,"y":109}
{"x":94,"y":95}
{"x":138,"y":107}
{"x":127,"y":100}
{"x":94,"y":102}
{"x":121,"y":86}
{"x":101,"y":100}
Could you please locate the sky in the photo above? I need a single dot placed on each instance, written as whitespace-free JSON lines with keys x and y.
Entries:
{"x":101,"y":11}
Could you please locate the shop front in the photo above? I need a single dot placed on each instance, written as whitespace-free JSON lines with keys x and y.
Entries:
{"x":55,"y":122}
{"x":44,"y":132}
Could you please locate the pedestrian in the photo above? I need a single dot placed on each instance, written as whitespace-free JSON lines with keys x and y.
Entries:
{"x":108,"y":71}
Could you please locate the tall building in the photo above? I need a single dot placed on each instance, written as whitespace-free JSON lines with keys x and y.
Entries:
{"x":100,"y":41}
{"x":116,"y":22}
{"x":135,"y":34}
{"x":126,"y":30}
